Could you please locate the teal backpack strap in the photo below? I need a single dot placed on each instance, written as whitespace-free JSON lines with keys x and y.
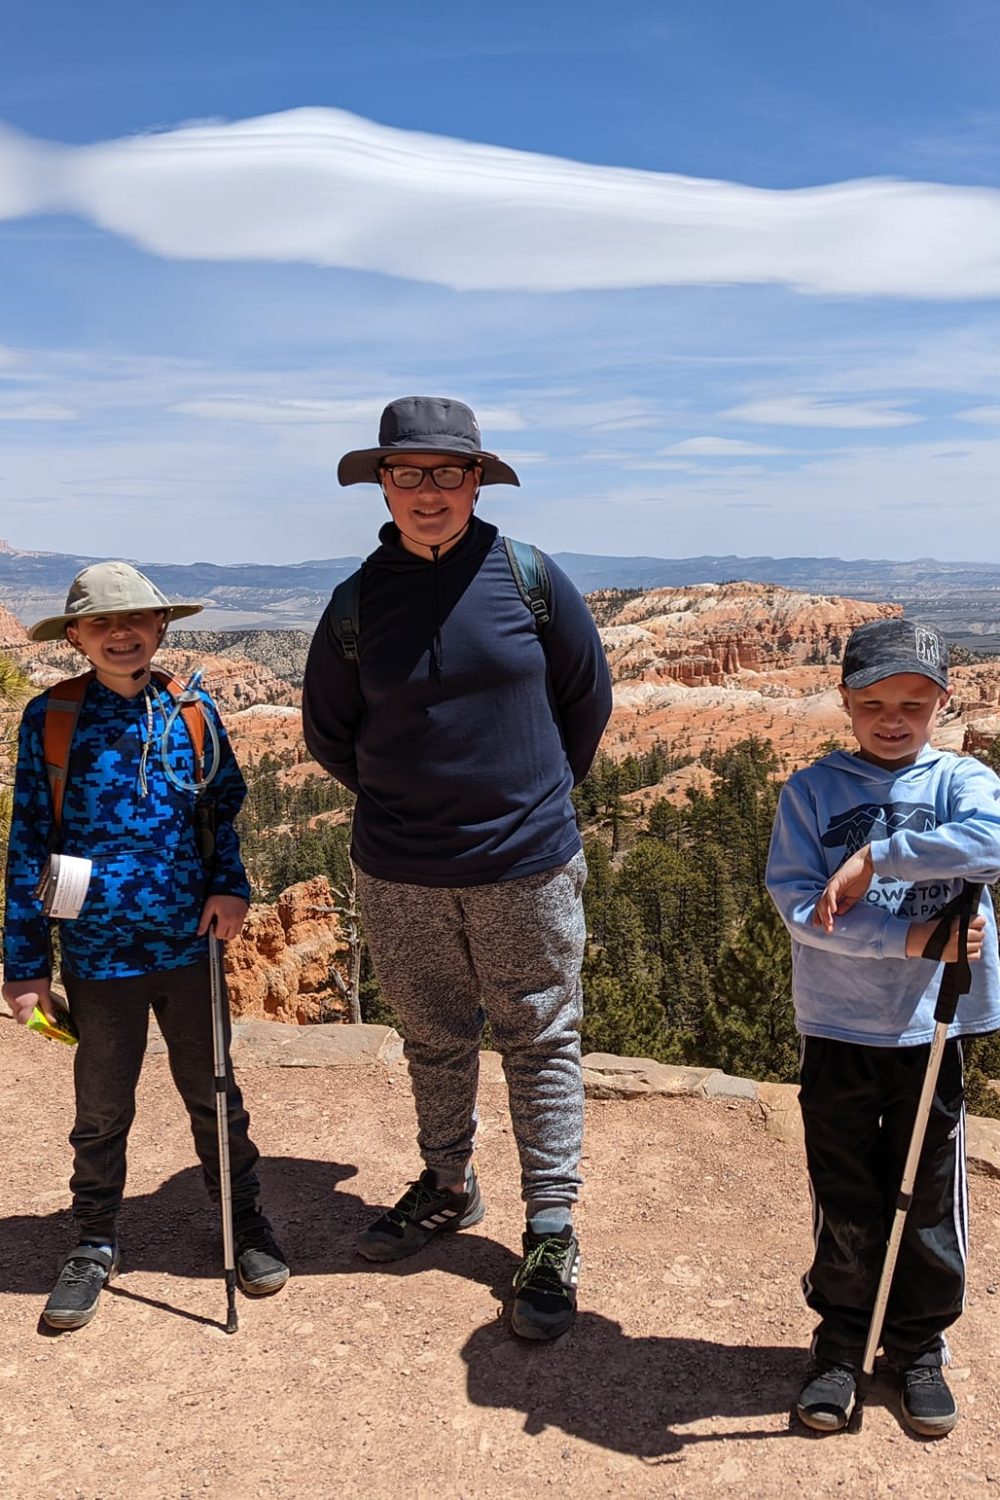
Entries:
{"x":531,"y":577}
{"x":345,"y":614}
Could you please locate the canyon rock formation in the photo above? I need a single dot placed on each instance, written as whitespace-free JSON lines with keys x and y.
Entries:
{"x":705,"y":666}
{"x":279,"y":968}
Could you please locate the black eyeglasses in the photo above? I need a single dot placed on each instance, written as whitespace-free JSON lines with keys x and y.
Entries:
{"x":411,"y":476}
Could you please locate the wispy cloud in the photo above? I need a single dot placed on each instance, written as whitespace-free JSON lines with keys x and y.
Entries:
{"x":805,"y":411}
{"x":254,"y":409}
{"x":329,"y":188}
{"x":983,"y":416}
{"x":720,"y":447}
{"x":21,"y":409}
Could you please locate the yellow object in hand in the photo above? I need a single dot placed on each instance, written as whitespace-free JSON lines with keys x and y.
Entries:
{"x":62,"y":1030}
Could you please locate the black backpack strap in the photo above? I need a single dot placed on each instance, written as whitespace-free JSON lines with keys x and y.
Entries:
{"x":345,"y":614}
{"x":531,"y":577}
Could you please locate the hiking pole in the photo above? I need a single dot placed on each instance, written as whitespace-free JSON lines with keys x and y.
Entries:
{"x":222,"y":1123}
{"x":956,"y":980}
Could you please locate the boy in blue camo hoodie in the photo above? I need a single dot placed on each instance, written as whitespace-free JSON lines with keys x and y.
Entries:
{"x":139,"y":940}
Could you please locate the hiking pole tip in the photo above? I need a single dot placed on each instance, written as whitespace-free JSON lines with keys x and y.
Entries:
{"x":232,"y":1322}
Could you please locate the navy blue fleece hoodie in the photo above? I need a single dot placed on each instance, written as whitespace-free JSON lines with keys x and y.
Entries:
{"x":461,"y":733}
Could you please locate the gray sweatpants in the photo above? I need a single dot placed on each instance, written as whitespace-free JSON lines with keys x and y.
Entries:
{"x":448,"y":958}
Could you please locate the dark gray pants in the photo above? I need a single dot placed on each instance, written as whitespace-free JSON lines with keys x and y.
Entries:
{"x":112,"y":1018}
{"x":446,"y":959}
{"x":858,"y":1106}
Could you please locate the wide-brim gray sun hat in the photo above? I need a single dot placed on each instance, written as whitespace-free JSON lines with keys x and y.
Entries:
{"x":110,"y":588}
{"x":425,"y":424}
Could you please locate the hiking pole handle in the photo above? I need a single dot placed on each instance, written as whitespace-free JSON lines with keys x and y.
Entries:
{"x":956,"y":979}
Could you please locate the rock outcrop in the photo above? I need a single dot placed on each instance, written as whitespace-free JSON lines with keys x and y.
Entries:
{"x":709,"y":634}
{"x":702,"y":667}
{"x":280,"y":967}
{"x":12,"y":632}
{"x":234,"y":682}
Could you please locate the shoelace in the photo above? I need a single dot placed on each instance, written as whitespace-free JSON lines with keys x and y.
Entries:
{"x":413,"y":1203}
{"x":76,"y":1272}
{"x":834,"y":1376}
{"x":923,"y":1375}
{"x":543,"y":1264}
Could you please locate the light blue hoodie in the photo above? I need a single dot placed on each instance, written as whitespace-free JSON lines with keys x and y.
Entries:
{"x":929,"y":824}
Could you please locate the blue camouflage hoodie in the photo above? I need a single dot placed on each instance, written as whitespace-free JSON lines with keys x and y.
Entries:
{"x":148,"y":884}
{"x":930,"y":825}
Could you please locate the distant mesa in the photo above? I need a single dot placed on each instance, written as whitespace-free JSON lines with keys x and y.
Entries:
{"x":961,"y":598}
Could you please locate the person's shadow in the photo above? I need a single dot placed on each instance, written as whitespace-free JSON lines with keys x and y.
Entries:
{"x":630,"y":1394}
{"x":177,"y":1231}
{"x":596,"y":1383}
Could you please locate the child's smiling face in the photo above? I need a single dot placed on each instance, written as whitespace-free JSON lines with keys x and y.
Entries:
{"x":120,"y":646}
{"x":894,"y":719}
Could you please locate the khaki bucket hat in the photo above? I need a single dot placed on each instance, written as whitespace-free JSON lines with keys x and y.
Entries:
{"x":109,"y":588}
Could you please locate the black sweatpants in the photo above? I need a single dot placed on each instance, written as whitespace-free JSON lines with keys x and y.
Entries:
{"x":112,"y":1018}
{"x":858,"y":1107}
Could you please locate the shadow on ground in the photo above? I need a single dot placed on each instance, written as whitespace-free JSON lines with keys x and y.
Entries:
{"x":628,"y":1394}
{"x":176,"y":1230}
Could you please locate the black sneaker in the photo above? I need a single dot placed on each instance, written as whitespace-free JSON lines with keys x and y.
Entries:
{"x":928,"y":1405}
{"x":545,"y":1285}
{"x":423,"y":1211}
{"x":827,"y":1399}
{"x":84,"y":1272}
{"x":260,"y":1264}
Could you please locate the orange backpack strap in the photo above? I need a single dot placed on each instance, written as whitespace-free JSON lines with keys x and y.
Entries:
{"x":193,"y":715}
{"x":62,"y":710}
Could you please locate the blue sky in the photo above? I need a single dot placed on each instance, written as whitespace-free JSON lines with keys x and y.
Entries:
{"x":718,"y":277}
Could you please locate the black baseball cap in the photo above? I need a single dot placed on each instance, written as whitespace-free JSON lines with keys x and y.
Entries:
{"x":884,"y":647}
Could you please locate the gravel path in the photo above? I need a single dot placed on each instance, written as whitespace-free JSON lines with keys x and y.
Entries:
{"x":403,"y":1382}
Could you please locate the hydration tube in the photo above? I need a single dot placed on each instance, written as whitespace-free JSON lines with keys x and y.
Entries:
{"x":189,"y":694}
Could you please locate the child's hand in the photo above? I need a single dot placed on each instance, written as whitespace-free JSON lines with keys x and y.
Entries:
{"x":22,"y":995}
{"x":227,"y":912}
{"x":919,"y":933}
{"x":845,"y":888}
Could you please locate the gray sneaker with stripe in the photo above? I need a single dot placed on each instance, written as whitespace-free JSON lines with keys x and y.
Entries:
{"x":423,"y":1211}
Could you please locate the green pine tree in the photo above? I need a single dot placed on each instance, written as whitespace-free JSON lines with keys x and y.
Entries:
{"x":750,"y":1024}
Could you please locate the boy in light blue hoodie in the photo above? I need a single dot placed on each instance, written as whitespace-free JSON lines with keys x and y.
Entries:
{"x":867,"y":850}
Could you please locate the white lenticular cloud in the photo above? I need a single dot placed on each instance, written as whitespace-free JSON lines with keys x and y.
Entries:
{"x":331,"y":189}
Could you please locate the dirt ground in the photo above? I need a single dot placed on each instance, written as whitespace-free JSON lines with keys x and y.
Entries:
{"x":404,"y":1382}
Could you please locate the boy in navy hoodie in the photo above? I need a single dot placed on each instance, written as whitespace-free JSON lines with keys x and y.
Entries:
{"x":867,"y":850}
